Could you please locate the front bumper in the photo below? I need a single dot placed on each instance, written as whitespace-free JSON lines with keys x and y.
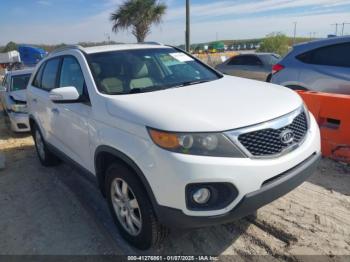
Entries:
{"x":19,"y":122}
{"x":168,"y":174}
{"x":269,"y":192}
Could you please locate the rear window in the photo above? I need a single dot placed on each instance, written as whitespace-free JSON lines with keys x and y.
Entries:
{"x":19,"y":82}
{"x":271,"y":59}
{"x":334,"y":55}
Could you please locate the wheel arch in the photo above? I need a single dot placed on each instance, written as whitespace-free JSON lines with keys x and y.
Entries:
{"x":32,"y":122}
{"x":105,"y":155}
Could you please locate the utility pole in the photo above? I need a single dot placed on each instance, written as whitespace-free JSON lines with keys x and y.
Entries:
{"x":336,"y":28}
{"x":342,"y":31}
{"x":295,"y":32}
{"x":188,"y":32}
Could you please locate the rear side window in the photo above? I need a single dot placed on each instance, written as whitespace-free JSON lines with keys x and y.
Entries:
{"x":38,"y":76}
{"x":49,"y":77}
{"x":334,"y":55}
{"x":71,"y":74}
{"x":247,"y":60}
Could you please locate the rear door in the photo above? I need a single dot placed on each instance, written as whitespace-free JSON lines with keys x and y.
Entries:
{"x":38,"y":96}
{"x":247,"y":66}
{"x":254,"y":68}
{"x":328,"y":69}
{"x":70,"y":121}
{"x":233,"y":67}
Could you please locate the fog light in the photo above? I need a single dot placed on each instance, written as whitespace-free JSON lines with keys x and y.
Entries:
{"x":201,"y":196}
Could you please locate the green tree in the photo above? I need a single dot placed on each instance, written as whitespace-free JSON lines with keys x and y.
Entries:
{"x":275,"y":43}
{"x":139,"y":15}
{"x":11,"y":46}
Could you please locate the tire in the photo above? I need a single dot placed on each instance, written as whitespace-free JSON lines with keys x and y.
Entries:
{"x":268,"y":79}
{"x":46,"y":157}
{"x":145,"y":231}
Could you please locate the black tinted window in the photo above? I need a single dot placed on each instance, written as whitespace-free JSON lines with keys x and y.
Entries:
{"x":71,"y":74}
{"x":334,"y":55}
{"x":48,"y":81}
{"x":248,"y":60}
{"x":37,"y":79}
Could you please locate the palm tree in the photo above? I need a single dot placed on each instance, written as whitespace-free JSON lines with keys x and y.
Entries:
{"x":139,"y":15}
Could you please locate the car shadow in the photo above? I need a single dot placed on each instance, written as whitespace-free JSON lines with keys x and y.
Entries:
{"x":333,"y":176}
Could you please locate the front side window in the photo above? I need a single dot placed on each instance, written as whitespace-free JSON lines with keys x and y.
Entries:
{"x":334,"y":55}
{"x":19,"y":82}
{"x":48,"y":81}
{"x":71,"y":74}
{"x":146,"y":70}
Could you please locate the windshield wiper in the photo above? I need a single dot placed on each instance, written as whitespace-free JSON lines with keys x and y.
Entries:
{"x":189,"y":83}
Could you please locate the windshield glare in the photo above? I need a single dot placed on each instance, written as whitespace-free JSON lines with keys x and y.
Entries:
{"x":146,"y":70}
{"x":19,"y":82}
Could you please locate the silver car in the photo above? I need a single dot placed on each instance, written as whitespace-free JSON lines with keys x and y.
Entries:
{"x":13,"y":99}
{"x":254,"y":66}
{"x":322,"y":65}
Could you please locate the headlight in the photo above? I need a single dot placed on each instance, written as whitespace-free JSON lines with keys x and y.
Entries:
{"x":203,"y":144}
{"x":307,"y":113}
{"x":19,"y":108}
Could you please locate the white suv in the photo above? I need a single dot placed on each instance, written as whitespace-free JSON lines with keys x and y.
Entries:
{"x":172,"y":142}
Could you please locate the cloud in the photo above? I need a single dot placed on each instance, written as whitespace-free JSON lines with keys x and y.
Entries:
{"x":228,"y":19}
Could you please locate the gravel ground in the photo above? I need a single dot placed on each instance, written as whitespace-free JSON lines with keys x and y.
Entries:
{"x":59,"y":211}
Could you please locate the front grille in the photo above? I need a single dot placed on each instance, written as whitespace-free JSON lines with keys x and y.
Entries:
{"x":268,"y":142}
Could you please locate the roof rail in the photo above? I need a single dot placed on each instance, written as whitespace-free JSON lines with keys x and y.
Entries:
{"x":150,"y":43}
{"x":67,"y":47}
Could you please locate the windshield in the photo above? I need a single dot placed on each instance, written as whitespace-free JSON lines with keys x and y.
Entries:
{"x":146,"y":70}
{"x":19,"y":82}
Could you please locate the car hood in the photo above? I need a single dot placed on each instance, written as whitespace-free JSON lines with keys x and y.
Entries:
{"x":224,"y":104}
{"x":19,"y":95}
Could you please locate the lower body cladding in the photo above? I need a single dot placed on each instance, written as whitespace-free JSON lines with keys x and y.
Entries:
{"x":19,"y":122}
{"x":196,"y":191}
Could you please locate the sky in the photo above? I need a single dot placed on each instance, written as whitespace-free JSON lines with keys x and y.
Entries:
{"x":73,"y":21}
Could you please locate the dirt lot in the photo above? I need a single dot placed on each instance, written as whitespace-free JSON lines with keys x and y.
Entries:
{"x":58,"y":211}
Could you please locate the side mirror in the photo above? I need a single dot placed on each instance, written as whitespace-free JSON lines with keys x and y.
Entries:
{"x":67,"y":94}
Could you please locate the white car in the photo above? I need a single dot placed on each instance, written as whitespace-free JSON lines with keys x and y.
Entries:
{"x":13,"y":98}
{"x":171,"y":141}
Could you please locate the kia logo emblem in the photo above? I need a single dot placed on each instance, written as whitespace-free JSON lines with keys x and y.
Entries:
{"x":287,"y":136}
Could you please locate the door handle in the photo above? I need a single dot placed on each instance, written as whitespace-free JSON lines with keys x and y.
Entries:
{"x":55,"y":111}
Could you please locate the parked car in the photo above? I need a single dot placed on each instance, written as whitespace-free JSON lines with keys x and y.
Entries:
{"x":171,"y":141}
{"x":13,"y":99}
{"x":322,"y":65}
{"x":254,"y":66}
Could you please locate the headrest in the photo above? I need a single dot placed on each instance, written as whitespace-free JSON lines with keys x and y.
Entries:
{"x":139,"y":70}
{"x":96,"y":68}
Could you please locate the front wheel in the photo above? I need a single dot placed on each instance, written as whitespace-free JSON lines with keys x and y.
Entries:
{"x":46,"y":157}
{"x":131,"y":208}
